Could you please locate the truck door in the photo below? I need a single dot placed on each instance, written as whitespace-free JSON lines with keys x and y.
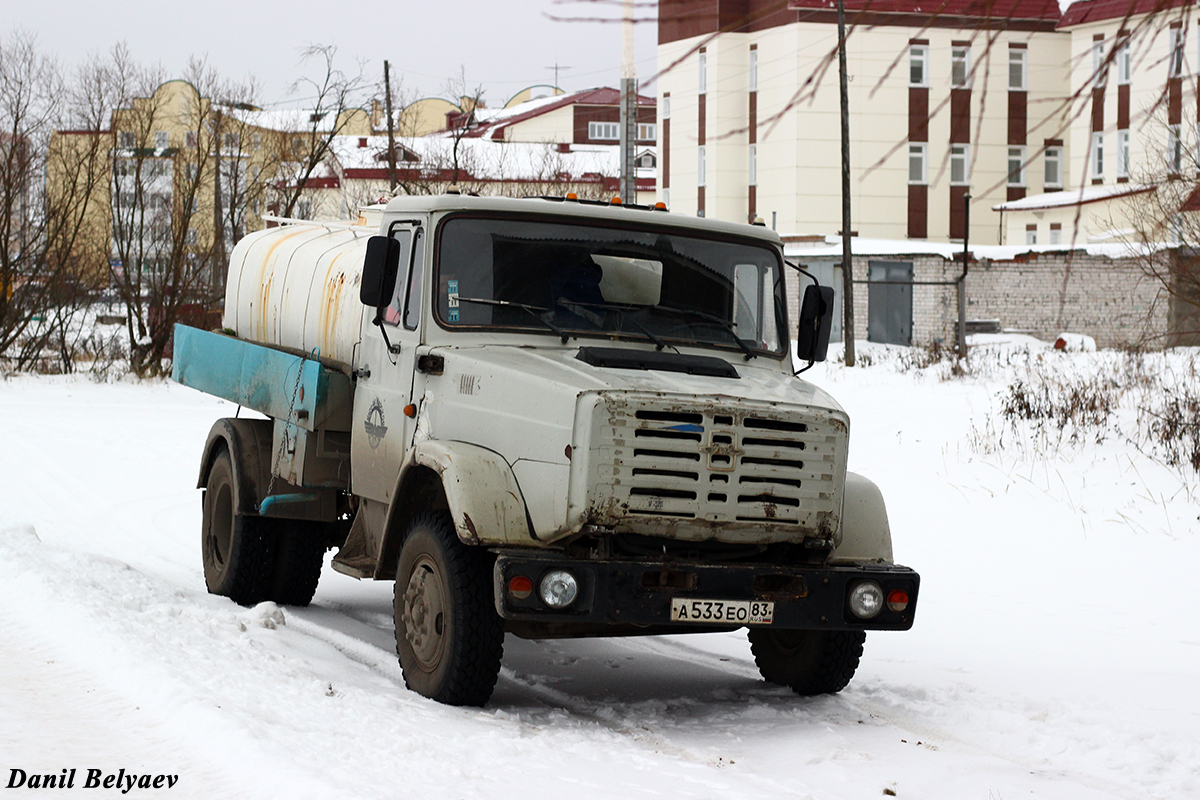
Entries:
{"x":385,"y":363}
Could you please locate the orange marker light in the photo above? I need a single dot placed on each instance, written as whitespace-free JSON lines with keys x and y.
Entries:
{"x":661,"y":206}
{"x":410,"y":411}
{"x":616,"y":201}
{"x":520,"y":587}
{"x":897,"y":600}
{"x":572,"y":196}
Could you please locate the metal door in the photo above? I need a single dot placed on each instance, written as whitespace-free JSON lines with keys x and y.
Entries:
{"x":889,"y":302}
{"x":829,"y":274}
{"x":382,"y":430}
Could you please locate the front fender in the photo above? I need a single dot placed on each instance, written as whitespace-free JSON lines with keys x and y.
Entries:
{"x":866,"y":535}
{"x":481,"y":491}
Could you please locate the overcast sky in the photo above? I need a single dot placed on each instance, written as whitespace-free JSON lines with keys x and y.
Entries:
{"x":503,"y":45}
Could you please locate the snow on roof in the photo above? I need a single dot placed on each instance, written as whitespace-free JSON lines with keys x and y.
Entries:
{"x":830,"y":248}
{"x":1072,"y":197}
{"x":483,"y":157}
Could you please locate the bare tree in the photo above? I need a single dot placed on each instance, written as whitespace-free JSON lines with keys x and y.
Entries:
{"x":304,"y":149}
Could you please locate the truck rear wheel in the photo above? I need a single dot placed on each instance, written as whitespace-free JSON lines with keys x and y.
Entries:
{"x":299,"y":556}
{"x":448,"y":634}
{"x":238,"y":549}
{"x":810,"y":662}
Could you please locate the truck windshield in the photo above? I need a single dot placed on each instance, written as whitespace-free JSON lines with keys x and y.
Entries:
{"x":580,"y":280}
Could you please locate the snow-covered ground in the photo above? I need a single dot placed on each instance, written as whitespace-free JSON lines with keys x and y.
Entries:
{"x":1056,"y":651}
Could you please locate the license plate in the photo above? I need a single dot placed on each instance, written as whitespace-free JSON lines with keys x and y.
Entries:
{"x":738,"y":612}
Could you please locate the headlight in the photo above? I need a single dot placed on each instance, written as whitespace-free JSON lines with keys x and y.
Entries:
{"x":559,"y":588}
{"x":866,"y":599}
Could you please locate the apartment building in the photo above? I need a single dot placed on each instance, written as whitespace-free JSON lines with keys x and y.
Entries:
{"x":1132,"y":72}
{"x":955,"y":98}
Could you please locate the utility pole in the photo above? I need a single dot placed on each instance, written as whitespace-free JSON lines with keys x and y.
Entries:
{"x":629,"y":125}
{"x":391,"y":153}
{"x":847,"y":261}
{"x":961,"y":329}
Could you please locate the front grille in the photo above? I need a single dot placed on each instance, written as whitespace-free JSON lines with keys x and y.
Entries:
{"x":729,"y":467}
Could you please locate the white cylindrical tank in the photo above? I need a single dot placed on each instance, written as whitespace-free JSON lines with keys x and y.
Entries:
{"x":297,"y":287}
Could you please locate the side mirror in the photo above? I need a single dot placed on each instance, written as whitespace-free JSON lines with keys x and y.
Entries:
{"x":816,"y":320}
{"x":379,"y":271}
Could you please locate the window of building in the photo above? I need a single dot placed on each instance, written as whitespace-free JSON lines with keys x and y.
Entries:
{"x":753,"y":166}
{"x":644,"y":161}
{"x":754,"y":70}
{"x":918,"y":162}
{"x":665,"y":107}
{"x":1097,"y":156}
{"x":604,"y":130}
{"x":1099,"y":67}
{"x":1175,"y":67}
{"x":1123,"y":154}
{"x":161,"y":140}
{"x":189,"y":139}
{"x":1055,"y":233}
{"x":918,"y":65}
{"x":703,"y":85}
{"x":126,"y":140}
{"x":1017,"y":62}
{"x":959,"y":174}
{"x":1031,"y":234}
{"x":256,"y":141}
{"x":960,"y":66}
{"x":700,"y":177}
{"x":230,"y":140}
{"x":666,"y":196}
{"x":192,"y":236}
{"x":1016,"y":166}
{"x":1052,"y":159}
{"x":647,"y":132}
{"x":1174,"y":149}
{"x":1124,"y":62}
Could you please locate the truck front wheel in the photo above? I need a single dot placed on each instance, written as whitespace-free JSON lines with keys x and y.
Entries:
{"x":448,"y":635}
{"x":238,"y":549}
{"x":810,"y":662}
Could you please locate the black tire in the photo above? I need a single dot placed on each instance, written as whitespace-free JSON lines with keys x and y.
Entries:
{"x":299,"y":556}
{"x":238,"y":549}
{"x":448,"y":634}
{"x":810,"y":662}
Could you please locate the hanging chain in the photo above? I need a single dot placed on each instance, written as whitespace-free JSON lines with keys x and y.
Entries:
{"x":283,"y":439}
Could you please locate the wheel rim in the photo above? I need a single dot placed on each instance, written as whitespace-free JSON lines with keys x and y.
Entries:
{"x":425,"y":613}
{"x":220,"y":528}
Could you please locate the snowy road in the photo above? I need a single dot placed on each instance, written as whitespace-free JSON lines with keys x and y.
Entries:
{"x":1055,"y":655}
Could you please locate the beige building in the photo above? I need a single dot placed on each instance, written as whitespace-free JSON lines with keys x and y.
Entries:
{"x":1132,"y":72}
{"x":940,"y":103}
{"x":149,"y":184}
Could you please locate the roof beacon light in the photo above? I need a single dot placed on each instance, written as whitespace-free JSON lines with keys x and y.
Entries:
{"x":616,"y":201}
{"x":660,"y":205}
{"x":572,"y":196}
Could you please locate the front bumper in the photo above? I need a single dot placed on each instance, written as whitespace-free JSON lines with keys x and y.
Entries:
{"x":624,"y":593}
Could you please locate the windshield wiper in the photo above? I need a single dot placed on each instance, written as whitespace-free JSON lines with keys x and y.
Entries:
{"x":704,"y":315}
{"x":659,"y":344}
{"x":534,"y":311}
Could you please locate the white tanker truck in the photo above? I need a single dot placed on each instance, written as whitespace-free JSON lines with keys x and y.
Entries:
{"x":545,"y":417}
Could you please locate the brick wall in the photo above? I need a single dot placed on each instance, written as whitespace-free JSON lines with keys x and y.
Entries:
{"x":1039,"y":294}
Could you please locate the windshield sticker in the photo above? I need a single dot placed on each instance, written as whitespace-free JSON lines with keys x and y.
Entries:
{"x":452,"y":299}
